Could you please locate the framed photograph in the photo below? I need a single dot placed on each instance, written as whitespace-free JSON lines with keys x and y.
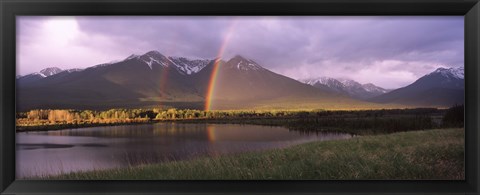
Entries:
{"x":175,"y":97}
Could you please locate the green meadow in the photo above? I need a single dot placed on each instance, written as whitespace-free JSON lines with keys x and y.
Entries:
{"x":424,"y":154}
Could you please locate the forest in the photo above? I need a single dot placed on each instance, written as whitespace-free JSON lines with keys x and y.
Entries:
{"x":358,"y":122}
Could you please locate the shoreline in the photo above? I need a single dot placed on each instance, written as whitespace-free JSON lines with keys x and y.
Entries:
{"x":55,"y":127}
{"x":58,"y":127}
{"x":404,"y":155}
{"x":342,"y":124}
{"x":82,"y":119}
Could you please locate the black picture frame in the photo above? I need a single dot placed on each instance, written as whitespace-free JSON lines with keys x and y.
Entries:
{"x":9,"y":9}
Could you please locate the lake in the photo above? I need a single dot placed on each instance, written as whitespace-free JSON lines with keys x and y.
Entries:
{"x":96,"y":148}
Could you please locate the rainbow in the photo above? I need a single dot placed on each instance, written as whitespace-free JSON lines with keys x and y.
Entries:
{"x":164,"y":75}
{"x":211,"y":133}
{"x":163,"y":82}
{"x":218,"y":59}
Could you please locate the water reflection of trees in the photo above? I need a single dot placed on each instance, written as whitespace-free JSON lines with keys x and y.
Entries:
{"x":143,"y":130}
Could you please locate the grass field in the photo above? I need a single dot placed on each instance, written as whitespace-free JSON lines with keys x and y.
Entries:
{"x":429,"y":154}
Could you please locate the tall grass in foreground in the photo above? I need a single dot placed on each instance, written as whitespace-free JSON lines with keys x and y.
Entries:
{"x":430,"y":154}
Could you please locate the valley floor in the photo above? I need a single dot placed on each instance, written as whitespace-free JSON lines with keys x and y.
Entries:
{"x":428,"y":154}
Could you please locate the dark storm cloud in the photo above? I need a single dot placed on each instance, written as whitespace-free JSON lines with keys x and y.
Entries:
{"x":398,"y":39}
{"x":388,"y":51}
{"x":171,"y":35}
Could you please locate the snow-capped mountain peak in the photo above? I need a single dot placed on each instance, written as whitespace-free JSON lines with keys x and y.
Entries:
{"x":154,"y":57}
{"x":324,"y":81}
{"x":373,"y":88}
{"x":346,"y":86}
{"x":43,"y":73}
{"x":181,"y":64}
{"x":457,"y":72}
{"x":350,"y":83}
{"x":189,"y":66}
{"x":244,"y":64}
{"x":49,"y":71}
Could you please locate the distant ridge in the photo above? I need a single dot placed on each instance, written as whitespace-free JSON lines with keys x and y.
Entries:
{"x":443,"y":87}
{"x":348,"y":87}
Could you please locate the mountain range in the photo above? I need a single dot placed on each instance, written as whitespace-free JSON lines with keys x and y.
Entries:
{"x":152,"y":80}
{"x":348,"y":87}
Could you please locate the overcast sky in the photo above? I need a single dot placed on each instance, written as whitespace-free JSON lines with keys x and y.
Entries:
{"x":390,"y":52}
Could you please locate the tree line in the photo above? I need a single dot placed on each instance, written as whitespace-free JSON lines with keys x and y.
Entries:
{"x":70,"y":115}
{"x":374,"y":121}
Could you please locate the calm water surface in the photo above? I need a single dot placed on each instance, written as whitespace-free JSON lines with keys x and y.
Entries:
{"x":94,"y":148}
